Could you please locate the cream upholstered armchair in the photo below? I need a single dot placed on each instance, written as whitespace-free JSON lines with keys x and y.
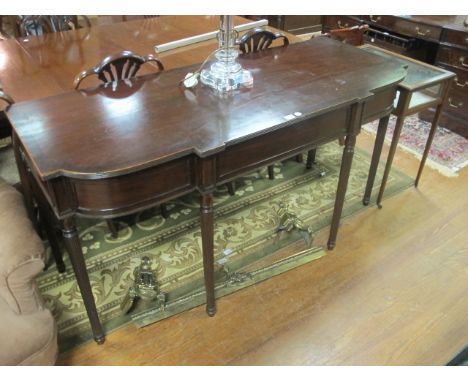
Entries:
{"x":28,"y":333}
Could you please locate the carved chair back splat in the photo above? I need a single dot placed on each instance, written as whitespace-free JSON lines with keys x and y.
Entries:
{"x":259,"y":39}
{"x":117,"y":67}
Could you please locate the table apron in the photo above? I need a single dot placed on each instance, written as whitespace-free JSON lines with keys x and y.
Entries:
{"x":133,"y":192}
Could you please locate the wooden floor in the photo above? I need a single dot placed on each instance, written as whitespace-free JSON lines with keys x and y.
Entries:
{"x":393,"y":292}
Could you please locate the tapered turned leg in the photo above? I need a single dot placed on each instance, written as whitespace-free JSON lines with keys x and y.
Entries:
{"x":311,"y":158}
{"x":164,"y":212}
{"x":430,"y":138}
{"x":231,"y":189}
{"x":379,"y":141}
{"x":206,"y":216}
{"x":72,"y":242}
{"x":271,"y":172}
{"x":113,"y":227}
{"x":346,"y":162}
{"x":391,"y":154}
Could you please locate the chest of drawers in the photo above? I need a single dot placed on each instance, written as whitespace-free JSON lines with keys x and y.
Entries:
{"x":437,"y":40}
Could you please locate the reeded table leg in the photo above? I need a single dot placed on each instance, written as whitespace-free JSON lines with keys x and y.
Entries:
{"x":206,"y":216}
{"x":73,"y":245}
{"x":346,"y":162}
{"x":379,"y":141}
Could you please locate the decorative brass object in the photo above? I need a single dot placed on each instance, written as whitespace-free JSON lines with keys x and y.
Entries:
{"x":289,"y":221}
{"x":145,"y":287}
{"x":233,"y":278}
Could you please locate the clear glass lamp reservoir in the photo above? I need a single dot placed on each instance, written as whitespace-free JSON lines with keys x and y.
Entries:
{"x":226,"y":73}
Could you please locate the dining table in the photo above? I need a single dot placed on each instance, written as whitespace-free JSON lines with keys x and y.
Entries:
{"x":148,"y":140}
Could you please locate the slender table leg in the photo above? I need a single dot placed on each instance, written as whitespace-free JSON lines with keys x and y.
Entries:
{"x":271,"y":172}
{"x":311,"y":158}
{"x":391,"y":153}
{"x":379,"y":141}
{"x":401,"y":111}
{"x":346,"y":162}
{"x":207,"y":231}
{"x":72,"y":242}
{"x":430,"y":138}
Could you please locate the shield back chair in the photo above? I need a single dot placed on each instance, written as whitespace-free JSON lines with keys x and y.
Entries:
{"x":256,"y":40}
{"x":116,"y":67}
{"x":259,"y":39}
{"x":38,"y":25}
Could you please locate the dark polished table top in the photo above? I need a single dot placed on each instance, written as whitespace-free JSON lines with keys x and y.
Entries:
{"x":40,"y":66}
{"x":96,"y":136}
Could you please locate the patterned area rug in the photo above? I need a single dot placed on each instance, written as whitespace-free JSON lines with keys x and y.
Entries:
{"x":245,"y":238}
{"x":449,"y":151}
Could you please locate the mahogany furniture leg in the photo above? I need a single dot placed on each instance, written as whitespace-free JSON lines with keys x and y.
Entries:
{"x":113,"y":227}
{"x":346,"y":161}
{"x":231,"y":189}
{"x":72,"y":242}
{"x":403,"y":103}
{"x":379,"y":141}
{"x":271,"y":172}
{"x":430,"y":138}
{"x":206,"y":217}
{"x":164,"y":211}
{"x":311,"y":158}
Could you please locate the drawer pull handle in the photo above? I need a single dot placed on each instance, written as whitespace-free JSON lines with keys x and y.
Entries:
{"x":375,"y":20}
{"x":460,"y":104}
{"x":341,"y":26}
{"x":459,"y":83}
{"x":418,"y":31}
{"x":462,"y":62}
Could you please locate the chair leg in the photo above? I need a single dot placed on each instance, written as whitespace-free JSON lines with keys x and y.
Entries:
{"x":231,"y":188}
{"x":271,"y":172}
{"x":341,"y":141}
{"x":311,"y":158}
{"x":164,"y":212}
{"x":113,"y":228}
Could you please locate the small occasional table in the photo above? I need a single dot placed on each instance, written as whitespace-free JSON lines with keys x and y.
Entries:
{"x":425,"y":86}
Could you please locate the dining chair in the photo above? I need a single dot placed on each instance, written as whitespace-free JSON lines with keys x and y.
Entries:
{"x":352,"y":35}
{"x":258,"y":39}
{"x":38,"y":25}
{"x":116,"y":67}
{"x":5,"y":101}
